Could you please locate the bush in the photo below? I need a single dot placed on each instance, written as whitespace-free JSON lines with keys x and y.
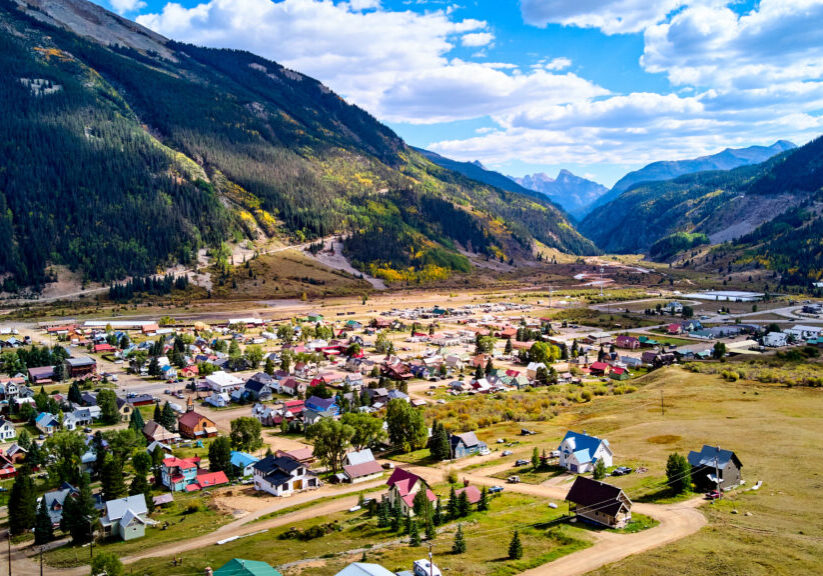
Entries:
{"x":586,"y":396}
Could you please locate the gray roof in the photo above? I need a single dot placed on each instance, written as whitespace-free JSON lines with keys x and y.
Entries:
{"x":116,"y":509}
{"x":468,"y":438}
{"x":79,"y":362}
{"x":360,"y":457}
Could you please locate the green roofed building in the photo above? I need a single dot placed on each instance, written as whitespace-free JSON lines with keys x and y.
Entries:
{"x":240,"y":567}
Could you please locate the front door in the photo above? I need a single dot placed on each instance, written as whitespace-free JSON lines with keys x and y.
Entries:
{"x":298,"y":484}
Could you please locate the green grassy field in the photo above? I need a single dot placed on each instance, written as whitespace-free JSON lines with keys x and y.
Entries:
{"x":189,"y":516}
{"x":487,"y":536}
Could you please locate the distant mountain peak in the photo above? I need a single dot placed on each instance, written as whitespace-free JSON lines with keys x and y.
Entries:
{"x":574,"y":193}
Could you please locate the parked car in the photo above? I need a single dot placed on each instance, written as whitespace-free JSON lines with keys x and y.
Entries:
{"x":495,"y":489}
{"x":713,"y":495}
{"x":506,"y":453}
{"x":554,"y":454}
{"x":521,"y":462}
{"x":621,"y":471}
{"x":513,"y":479}
{"x":388,"y":465}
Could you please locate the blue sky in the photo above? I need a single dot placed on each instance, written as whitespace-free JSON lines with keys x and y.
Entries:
{"x":599,"y":87}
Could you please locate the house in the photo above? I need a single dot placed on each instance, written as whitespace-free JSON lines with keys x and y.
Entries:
{"x":7,"y":431}
{"x":776,"y":339}
{"x":124,"y":407}
{"x":328,"y":405}
{"x":141,"y":400}
{"x":627,"y":342}
{"x":714,"y":468}
{"x":466,"y":444}
{"x":801,"y":332}
{"x":223,"y":382}
{"x":126,"y":517}
{"x":599,"y":369}
{"x":674,"y":329}
{"x":364,"y":569}
{"x":580,"y":452}
{"x":80,"y":367}
{"x":283,"y":476}
{"x":403,"y":486}
{"x":618,"y":373}
{"x":56,"y":501}
{"x":16,"y":453}
{"x":154,"y":432}
{"x":194,"y":425}
{"x":292,"y":386}
{"x":532,"y":368}
{"x":238,"y":567}
{"x":361,"y":466}
{"x":674,"y":307}
{"x":473,"y":495}
{"x":7,"y":469}
{"x":259,"y":387}
{"x":218,"y":399}
{"x":303,"y":455}
{"x":41,"y":374}
{"x":243,"y":463}
{"x":208,"y":480}
{"x":46,"y":422}
{"x":599,"y":502}
{"x":177,"y":473}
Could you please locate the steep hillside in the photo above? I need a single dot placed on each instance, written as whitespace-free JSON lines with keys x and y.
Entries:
{"x":728,"y":159}
{"x":575,"y":194}
{"x":770,"y":210}
{"x":122,"y":151}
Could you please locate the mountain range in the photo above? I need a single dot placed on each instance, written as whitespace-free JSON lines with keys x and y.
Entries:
{"x":728,"y":159}
{"x":575,"y":194}
{"x":122,"y":151}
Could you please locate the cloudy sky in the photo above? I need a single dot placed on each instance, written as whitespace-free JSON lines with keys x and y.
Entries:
{"x":595,"y":86}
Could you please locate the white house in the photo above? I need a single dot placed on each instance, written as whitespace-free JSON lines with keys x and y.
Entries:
{"x":7,"y":431}
{"x":580,"y":452}
{"x":532,"y":368}
{"x":218,"y":399}
{"x":223,"y":382}
{"x":673,"y":307}
{"x":283,"y":476}
{"x":801,"y":332}
{"x":775,"y":339}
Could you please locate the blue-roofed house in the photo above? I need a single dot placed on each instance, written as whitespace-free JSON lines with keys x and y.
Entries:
{"x":364,"y":569}
{"x":715,"y":468}
{"x":46,"y":422}
{"x":580,"y":452}
{"x":328,"y":405}
{"x":243,"y":462}
{"x":239,"y":567}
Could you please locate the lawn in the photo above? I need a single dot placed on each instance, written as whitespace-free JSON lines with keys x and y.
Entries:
{"x":189,"y":516}
{"x":530,"y":475}
{"x":487,"y":537}
{"x":660,"y":336}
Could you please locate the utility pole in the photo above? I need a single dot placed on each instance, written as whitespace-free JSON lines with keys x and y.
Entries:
{"x":717,"y":478}
{"x":431,"y":561}
{"x":601,"y":281}
{"x":41,"y":560}
{"x":9,"y":535}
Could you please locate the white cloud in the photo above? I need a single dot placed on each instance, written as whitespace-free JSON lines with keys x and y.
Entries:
{"x":558,"y":64}
{"x":712,"y":46}
{"x":394,"y":64}
{"x":126,"y":6}
{"x":477,"y":39}
{"x":610,"y":16}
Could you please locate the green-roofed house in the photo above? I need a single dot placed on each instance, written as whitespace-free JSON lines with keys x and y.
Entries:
{"x":240,"y":567}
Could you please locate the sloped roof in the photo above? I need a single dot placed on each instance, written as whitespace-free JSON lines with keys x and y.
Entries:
{"x":242,"y":459}
{"x":583,"y":442}
{"x":239,"y":567}
{"x":467,"y":438}
{"x":360,"y":457}
{"x":708,"y":454}
{"x":599,"y":495}
{"x":116,"y":509}
{"x":364,"y":569}
{"x":192,"y":418}
{"x":472,"y":493}
{"x":363,"y":469}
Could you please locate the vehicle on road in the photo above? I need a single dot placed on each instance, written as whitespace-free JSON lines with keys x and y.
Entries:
{"x":513,"y":479}
{"x":521,"y":462}
{"x":506,"y":453}
{"x":495,"y":489}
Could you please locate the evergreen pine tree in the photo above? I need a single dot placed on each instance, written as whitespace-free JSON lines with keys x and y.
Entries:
{"x":269,"y":367}
{"x":489,"y":366}
{"x":515,"y":547}
{"x":22,"y":504}
{"x":79,"y":513}
{"x":483,"y":503}
{"x":168,"y":418}
{"x":414,"y":533}
{"x":43,"y":529}
{"x":383,"y":514}
{"x":158,"y":414}
{"x":459,"y":546}
{"x":508,"y":349}
{"x":431,"y":531}
{"x":445,"y":443}
{"x":463,"y":504}
{"x":112,"y":479}
{"x":437,"y":518}
{"x":75,"y":396}
{"x":136,"y":421}
{"x":452,"y":505}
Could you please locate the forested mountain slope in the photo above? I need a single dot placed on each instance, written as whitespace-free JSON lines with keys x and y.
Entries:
{"x":770,"y":210}
{"x":122,"y":151}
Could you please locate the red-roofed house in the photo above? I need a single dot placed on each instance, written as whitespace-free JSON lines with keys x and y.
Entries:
{"x":472,"y":494}
{"x":178,"y":473}
{"x":106,"y":347}
{"x":599,"y":369}
{"x":208,"y":480}
{"x":674,"y":328}
{"x":403,"y":486}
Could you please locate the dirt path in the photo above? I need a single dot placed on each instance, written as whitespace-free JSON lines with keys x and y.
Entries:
{"x":332,"y":256}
